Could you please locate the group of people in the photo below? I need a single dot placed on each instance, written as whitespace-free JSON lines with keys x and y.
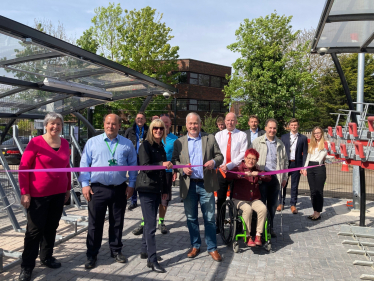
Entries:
{"x":249,"y":152}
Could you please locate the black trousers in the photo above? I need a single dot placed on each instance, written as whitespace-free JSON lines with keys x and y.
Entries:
{"x":43,"y":217}
{"x":113,"y":198}
{"x":316,"y":179}
{"x":269,"y":196}
{"x":149,"y":203}
{"x":295,"y":179}
{"x":221,"y":193}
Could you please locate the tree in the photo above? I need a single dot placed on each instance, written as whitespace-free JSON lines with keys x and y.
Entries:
{"x":209,"y":123}
{"x":271,"y":72}
{"x":139,"y":40}
{"x":332,"y":97}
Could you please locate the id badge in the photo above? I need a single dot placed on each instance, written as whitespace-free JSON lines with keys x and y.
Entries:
{"x":112,"y":162}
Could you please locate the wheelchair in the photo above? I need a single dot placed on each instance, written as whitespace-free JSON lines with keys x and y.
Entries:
{"x":232,"y":227}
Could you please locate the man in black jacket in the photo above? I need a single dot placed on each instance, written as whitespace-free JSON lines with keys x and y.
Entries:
{"x":254,"y":130}
{"x":296,"y":146}
{"x":136,"y":134}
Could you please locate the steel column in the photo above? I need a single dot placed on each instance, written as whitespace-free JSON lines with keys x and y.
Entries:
{"x":85,"y":122}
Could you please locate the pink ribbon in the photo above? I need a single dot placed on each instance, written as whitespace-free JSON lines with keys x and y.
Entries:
{"x":287,"y":170}
{"x":99,"y":169}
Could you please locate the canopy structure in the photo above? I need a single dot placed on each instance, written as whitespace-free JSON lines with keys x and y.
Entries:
{"x":40,"y":73}
{"x":346,"y":26}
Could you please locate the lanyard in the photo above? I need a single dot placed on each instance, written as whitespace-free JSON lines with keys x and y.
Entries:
{"x":114,"y":151}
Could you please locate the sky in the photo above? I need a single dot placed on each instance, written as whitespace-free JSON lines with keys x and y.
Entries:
{"x":202,"y":29}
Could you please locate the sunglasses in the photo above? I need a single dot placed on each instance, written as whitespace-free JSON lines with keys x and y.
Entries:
{"x":158,"y":128}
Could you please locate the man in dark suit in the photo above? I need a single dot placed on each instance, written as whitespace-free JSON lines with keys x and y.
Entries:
{"x":254,"y":131}
{"x":296,"y":146}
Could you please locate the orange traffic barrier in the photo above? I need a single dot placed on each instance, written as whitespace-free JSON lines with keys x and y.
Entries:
{"x":348,"y":204}
{"x":345,"y":167}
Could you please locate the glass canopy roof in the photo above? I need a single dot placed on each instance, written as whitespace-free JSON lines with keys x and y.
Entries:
{"x":28,"y":56}
{"x":346,"y":26}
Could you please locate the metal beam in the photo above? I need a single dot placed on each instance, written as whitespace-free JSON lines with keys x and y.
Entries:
{"x":42,"y":87}
{"x":90,"y":127}
{"x":31,"y":58}
{"x":22,"y":116}
{"x":22,"y":31}
{"x":12,"y":92}
{"x":350,"y":17}
{"x":322,"y":22}
{"x":345,"y":85}
{"x":146,"y":102}
{"x":367,"y":42}
{"x":132,"y":94}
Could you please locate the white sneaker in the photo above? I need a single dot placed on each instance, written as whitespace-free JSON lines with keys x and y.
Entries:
{"x":215,"y":198}
{"x":227,"y":198}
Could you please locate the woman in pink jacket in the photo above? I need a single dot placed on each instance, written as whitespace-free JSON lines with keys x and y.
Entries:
{"x":43,"y":194}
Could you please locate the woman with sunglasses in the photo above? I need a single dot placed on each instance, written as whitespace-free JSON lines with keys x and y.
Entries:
{"x":317,"y":154}
{"x":150,"y":185}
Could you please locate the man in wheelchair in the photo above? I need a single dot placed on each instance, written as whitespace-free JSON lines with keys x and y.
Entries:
{"x":246,"y":194}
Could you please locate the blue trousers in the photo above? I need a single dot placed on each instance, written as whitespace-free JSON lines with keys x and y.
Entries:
{"x":196,"y":194}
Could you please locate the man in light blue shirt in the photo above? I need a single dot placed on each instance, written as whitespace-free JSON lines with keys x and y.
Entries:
{"x":107,"y":189}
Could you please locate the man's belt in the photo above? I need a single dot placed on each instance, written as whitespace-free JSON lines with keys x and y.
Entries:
{"x":197,"y":180}
{"x":110,"y":186}
{"x":292,"y":160}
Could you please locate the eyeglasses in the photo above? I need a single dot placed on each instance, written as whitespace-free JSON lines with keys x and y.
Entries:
{"x":251,"y":159}
{"x":158,"y":128}
{"x":167,"y":115}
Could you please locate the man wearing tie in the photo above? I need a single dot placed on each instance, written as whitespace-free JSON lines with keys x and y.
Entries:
{"x":233,"y":144}
{"x":296,"y":146}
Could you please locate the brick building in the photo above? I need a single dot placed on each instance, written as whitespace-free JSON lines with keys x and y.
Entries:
{"x":199,"y":90}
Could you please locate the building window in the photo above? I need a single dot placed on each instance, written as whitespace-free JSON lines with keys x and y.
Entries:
{"x":182,"y":78}
{"x":215,"y":81}
{"x":204,"y":80}
{"x":194,"y":78}
{"x":203,"y":105}
{"x":215,"y":106}
{"x":224,"y":82}
{"x":193,"y":105}
{"x":181,"y":104}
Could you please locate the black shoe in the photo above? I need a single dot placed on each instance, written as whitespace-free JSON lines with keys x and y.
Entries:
{"x":133,"y":206}
{"x":51,"y":263}
{"x":272,"y":233}
{"x":156,"y":267}
{"x":138,"y":230}
{"x":217,"y":230}
{"x":144,"y":256}
{"x":25,"y":274}
{"x":118,"y":257}
{"x":90,"y":263}
{"x":162,"y":228}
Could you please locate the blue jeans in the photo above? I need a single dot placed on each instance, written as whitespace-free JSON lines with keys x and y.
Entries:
{"x":195,"y":194}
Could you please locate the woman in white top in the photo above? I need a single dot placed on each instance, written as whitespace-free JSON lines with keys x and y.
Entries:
{"x":317,"y":175}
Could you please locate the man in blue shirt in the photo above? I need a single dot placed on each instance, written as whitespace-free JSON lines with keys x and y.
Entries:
{"x":104,"y":190}
{"x":197,"y":184}
{"x":136,"y":134}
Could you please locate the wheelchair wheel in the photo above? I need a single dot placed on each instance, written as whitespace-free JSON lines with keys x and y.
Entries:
{"x":227,"y":222}
{"x":235,"y":247}
{"x":267,"y":246}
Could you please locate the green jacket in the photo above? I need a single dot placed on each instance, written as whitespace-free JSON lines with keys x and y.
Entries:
{"x":282,"y":160}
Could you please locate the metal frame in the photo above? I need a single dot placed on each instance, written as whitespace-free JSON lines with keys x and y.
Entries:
{"x":321,"y":24}
{"x":146,"y":102}
{"x":31,"y":58}
{"x":22,"y":31}
{"x":350,"y":17}
{"x":85,"y":122}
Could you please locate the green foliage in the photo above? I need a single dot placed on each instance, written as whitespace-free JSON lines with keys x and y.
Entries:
{"x":139,"y":40}
{"x":209,"y":123}
{"x":332,"y":97}
{"x":87,"y":42}
{"x":270,"y":72}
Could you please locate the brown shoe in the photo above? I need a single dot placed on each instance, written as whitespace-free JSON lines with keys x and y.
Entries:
{"x":216,"y":256}
{"x":280,"y":207}
{"x":293,"y":210}
{"x":193,"y":252}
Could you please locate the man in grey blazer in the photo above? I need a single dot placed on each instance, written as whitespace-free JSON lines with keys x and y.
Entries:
{"x":197,"y":184}
{"x":254,"y":130}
